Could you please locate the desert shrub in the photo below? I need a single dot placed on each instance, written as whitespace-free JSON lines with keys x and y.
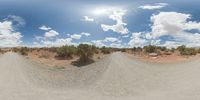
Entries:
{"x":45,"y":54}
{"x":105,"y":50}
{"x":123,"y":50}
{"x":52,"y":49}
{"x":15,"y":49}
{"x":85,"y":52}
{"x":66,"y":51}
{"x":198,"y":50}
{"x":186,"y":51}
{"x":23,"y":51}
{"x":136,"y":49}
{"x":1,"y":51}
{"x":150,"y":49}
{"x":172,"y":50}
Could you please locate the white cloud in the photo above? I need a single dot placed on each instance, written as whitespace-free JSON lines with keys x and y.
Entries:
{"x":17,"y":19}
{"x":76,"y":36}
{"x":98,"y":43}
{"x":137,"y":40}
{"x":177,"y":26}
{"x":88,"y":19}
{"x":86,"y":34}
{"x":51,"y":33}
{"x":8,"y":36}
{"x":110,"y":39}
{"x":116,"y":15}
{"x":116,"y":45}
{"x":154,"y":6}
{"x":58,"y":42}
{"x":45,"y":28}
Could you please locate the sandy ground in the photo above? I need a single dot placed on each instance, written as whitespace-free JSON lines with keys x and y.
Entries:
{"x":172,"y":58}
{"x":49,"y":59}
{"x":116,"y":77}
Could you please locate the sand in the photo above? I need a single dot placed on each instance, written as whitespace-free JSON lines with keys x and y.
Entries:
{"x":116,"y":77}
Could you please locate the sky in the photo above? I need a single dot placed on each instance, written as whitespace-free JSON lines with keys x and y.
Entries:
{"x":112,"y":23}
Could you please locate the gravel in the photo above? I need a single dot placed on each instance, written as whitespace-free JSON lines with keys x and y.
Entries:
{"x":116,"y":77}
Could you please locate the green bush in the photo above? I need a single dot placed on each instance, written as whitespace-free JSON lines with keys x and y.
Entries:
{"x":1,"y":51}
{"x":198,"y":50}
{"x":85,"y":52}
{"x":66,"y":51}
{"x":136,"y":49}
{"x":23,"y":50}
{"x":150,"y":49}
{"x":186,"y":51}
{"x":105,"y":50}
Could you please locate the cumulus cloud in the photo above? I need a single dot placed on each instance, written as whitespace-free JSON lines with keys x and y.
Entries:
{"x":98,"y":43}
{"x":8,"y":36}
{"x":110,"y":39}
{"x":88,"y":19}
{"x":137,"y":40}
{"x":51,"y":33}
{"x":76,"y":36}
{"x":45,"y":28}
{"x":58,"y":42}
{"x":154,"y":6}
{"x":85,"y":34}
{"x":176,"y":25}
{"x":16,"y":20}
{"x":119,"y":27}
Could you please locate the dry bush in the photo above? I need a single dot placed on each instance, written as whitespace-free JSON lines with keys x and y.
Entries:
{"x":24,"y":51}
{"x":66,"y":52}
{"x":45,"y":54}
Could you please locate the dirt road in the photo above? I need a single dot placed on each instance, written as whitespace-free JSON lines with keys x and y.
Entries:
{"x":116,"y":77}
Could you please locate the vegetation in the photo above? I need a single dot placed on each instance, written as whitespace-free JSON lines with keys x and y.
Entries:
{"x":198,"y":50}
{"x":150,"y":49}
{"x":105,"y":50}
{"x":86,"y":52}
{"x":66,"y":51}
{"x":1,"y":51}
{"x":186,"y":51}
{"x":23,"y":51}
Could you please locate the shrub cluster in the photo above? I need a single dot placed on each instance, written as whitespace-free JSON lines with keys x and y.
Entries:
{"x":186,"y":51}
{"x":105,"y":50}
{"x":23,"y":50}
{"x":150,"y":49}
{"x":85,"y":52}
{"x":66,"y":51}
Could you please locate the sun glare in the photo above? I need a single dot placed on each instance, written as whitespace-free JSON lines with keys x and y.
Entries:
{"x":100,"y":11}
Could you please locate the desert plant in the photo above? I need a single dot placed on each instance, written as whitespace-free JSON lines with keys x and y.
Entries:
{"x":198,"y":50}
{"x":186,"y":51}
{"x":105,"y":50}
{"x":23,"y":51}
{"x":172,"y":50}
{"x":66,"y":51}
{"x":150,"y":49}
{"x":85,"y":52}
{"x":45,"y":54}
{"x":1,"y":51}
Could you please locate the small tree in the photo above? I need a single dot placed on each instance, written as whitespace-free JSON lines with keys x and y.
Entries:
{"x":85,"y":52}
{"x":150,"y":49}
{"x":105,"y":50}
{"x":24,"y":51}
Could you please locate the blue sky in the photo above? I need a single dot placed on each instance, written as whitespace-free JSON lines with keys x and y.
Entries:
{"x":115,"y":23}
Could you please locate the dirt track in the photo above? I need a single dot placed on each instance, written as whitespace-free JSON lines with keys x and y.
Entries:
{"x":115,"y":77}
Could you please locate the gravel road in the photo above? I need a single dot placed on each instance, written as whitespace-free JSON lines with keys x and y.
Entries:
{"x":116,"y":77}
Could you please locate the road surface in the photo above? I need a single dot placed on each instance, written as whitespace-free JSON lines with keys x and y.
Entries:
{"x":116,"y":77}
